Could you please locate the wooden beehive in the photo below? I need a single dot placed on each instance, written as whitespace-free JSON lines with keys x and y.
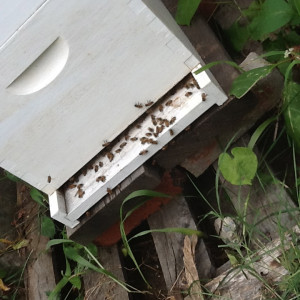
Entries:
{"x":72,"y":73}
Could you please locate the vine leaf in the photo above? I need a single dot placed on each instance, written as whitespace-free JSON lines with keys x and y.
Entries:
{"x":239,"y":169}
{"x":242,"y":84}
{"x":186,"y":10}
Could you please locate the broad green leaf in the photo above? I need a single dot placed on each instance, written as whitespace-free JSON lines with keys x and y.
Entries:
{"x":242,"y":84}
{"x":292,"y":112}
{"x":297,"y":5}
{"x":237,"y":35}
{"x":47,"y":227}
{"x":273,"y":15}
{"x":76,"y":282}
{"x":37,"y":196}
{"x":239,"y":169}
{"x":287,"y":75}
{"x":186,"y":10}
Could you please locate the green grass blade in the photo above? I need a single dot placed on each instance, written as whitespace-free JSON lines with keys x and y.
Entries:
{"x":185,"y":231}
{"x":228,"y":62}
{"x":289,"y":69}
{"x":57,"y":242}
{"x":258,"y":132}
{"x":186,"y":10}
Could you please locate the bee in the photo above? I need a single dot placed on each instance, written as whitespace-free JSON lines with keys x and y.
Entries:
{"x":154,"y":122}
{"x":151,"y":141}
{"x":96,"y":168}
{"x":168,"y":103}
{"x":49,"y":179}
{"x":171,"y":132}
{"x":143,"y":152}
{"x":79,"y":186}
{"x":80,"y":193}
{"x":123,"y":145}
{"x":160,"y":108}
{"x":188,"y":94}
{"x":164,"y":147}
{"x":118,"y":150}
{"x":134,"y":139}
{"x":143,"y":140}
{"x":203,"y":95}
{"x":196,"y":84}
{"x":159,"y":129}
{"x":127,"y":137}
{"x":91,"y":167}
{"x":72,"y":186}
{"x":162,"y":121}
{"x":105,"y":144}
{"x":138,"y":126}
{"x":110,"y":156}
{"x":100,"y":164}
{"x":188,"y":128}
{"x":173,"y":142}
{"x":150,"y":129}
{"x":109,"y":191}
{"x":138,"y":105}
{"x":155,"y":134}
{"x":101,"y":178}
{"x":88,"y":213}
{"x":172,"y":120}
{"x":167,"y":123}
{"x":84,"y":172}
{"x":191,"y":85}
{"x":149,"y":103}
{"x":148,"y":134}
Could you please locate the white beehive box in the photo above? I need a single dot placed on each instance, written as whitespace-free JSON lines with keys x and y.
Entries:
{"x":71,"y":73}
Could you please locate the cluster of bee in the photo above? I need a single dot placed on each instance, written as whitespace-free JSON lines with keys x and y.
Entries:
{"x":159,"y":125}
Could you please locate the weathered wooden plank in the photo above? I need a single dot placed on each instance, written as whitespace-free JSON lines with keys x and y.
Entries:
{"x":237,"y":284}
{"x":169,"y":246}
{"x":106,"y":212}
{"x":39,"y":276}
{"x":100,"y":287}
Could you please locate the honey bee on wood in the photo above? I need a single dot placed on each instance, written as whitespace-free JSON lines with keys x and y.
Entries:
{"x":149,"y":103}
{"x":80,"y":185}
{"x":127,"y":137}
{"x":109,"y":191}
{"x":151,"y":141}
{"x":172,"y":120}
{"x":148,"y":134}
{"x":138,"y":126}
{"x":188,"y":94}
{"x":138,"y":105}
{"x":84,"y":172}
{"x":191,"y":85}
{"x":72,"y":186}
{"x":80,"y":193}
{"x":72,"y":179}
{"x":155,"y":134}
{"x":154,"y":122}
{"x":123,"y":145}
{"x":105,"y":143}
{"x":159,"y":129}
{"x":49,"y":179}
{"x":164,"y":147}
{"x":160,"y":108}
{"x":188,"y":128}
{"x":101,"y":178}
{"x":143,"y":140}
{"x":167,"y":123}
{"x":91,"y":167}
{"x":172,"y":142}
{"x":143,"y":152}
{"x":110,"y":156}
{"x":162,"y":121}
{"x":96,"y":168}
{"x":88,"y":213}
{"x":150,"y":129}
{"x":169,"y":103}
{"x":100,"y":164}
{"x":118,"y":150}
{"x":171,"y":132}
{"x":196,"y":84}
{"x":203,"y":95}
{"x":134,"y":139}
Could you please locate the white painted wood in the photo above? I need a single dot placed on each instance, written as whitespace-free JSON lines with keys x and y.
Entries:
{"x":13,"y":14}
{"x":57,"y":109}
{"x":186,"y":108}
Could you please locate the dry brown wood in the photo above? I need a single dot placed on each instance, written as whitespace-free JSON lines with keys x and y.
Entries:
{"x":169,"y":245}
{"x":100,"y":287}
{"x":39,"y":276}
{"x":266,"y":270}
